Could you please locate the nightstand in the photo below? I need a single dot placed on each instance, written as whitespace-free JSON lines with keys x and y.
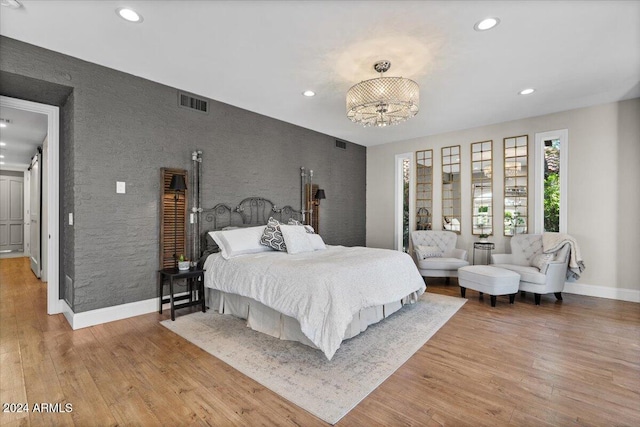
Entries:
{"x":195,"y":288}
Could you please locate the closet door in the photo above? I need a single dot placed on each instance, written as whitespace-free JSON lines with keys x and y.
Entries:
{"x":11,"y":214}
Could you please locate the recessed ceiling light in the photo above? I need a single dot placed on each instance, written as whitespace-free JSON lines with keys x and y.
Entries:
{"x":486,"y":24}
{"x":528,"y":91}
{"x":1,"y":163}
{"x":2,"y":144}
{"x":309,"y":93}
{"x":1,"y":156}
{"x":129,"y":14}
{"x":3,"y":125}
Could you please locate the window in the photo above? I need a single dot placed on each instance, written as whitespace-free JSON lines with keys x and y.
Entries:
{"x":550,"y":207}
{"x":404,"y":195}
{"x":551,"y":190}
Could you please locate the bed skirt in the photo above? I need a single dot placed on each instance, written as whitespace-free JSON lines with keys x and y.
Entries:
{"x":271,"y":322}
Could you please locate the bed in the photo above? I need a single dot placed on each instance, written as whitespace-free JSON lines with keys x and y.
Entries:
{"x":313,"y":293}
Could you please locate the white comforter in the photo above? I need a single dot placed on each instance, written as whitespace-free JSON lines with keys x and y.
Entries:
{"x":323,"y":290}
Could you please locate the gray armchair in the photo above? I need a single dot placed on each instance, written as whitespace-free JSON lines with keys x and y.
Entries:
{"x":537,"y":275}
{"x":447,"y":260}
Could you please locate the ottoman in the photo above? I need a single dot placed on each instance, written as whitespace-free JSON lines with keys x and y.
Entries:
{"x":490,"y":280}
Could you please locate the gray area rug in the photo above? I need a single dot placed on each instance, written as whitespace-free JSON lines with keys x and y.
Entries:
{"x":327,"y":389}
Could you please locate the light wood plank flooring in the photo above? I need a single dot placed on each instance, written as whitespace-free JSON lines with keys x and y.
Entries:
{"x":571,"y":363}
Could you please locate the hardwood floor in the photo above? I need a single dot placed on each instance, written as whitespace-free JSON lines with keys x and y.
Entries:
{"x":575,"y":362}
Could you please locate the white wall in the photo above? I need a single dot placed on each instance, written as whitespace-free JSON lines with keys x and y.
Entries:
{"x":603,"y":195}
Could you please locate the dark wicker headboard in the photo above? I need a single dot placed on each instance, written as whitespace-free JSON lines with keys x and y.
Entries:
{"x":252,"y":211}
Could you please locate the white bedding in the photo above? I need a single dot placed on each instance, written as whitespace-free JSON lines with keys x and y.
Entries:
{"x":321,"y":289}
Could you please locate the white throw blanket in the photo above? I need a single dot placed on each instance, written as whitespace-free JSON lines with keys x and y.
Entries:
{"x":552,"y":242}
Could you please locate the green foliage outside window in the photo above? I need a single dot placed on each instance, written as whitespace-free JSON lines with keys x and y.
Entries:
{"x":552,"y":202}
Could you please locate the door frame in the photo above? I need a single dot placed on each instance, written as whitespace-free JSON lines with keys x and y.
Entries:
{"x":54,"y":304}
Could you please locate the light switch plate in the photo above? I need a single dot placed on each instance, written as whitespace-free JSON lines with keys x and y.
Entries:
{"x":70,"y":218}
{"x":120,"y":187}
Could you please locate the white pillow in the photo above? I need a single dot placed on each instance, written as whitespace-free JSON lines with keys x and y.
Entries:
{"x":295,"y":238}
{"x":309,"y":228}
{"x":240,"y":241}
{"x":316,"y":242}
{"x":424,"y":251}
{"x":541,"y":262}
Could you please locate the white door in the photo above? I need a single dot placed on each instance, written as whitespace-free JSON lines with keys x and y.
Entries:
{"x":11,"y":214}
{"x":35,"y":214}
{"x":27,"y":212}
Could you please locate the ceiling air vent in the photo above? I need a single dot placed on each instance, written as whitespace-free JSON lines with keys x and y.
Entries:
{"x":341,"y":144}
{"x":191,"y":102}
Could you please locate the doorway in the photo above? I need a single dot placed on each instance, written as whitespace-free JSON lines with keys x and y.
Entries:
{"x":49,"y":169}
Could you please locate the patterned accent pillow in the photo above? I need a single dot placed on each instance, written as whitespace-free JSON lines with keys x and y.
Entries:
{"x":272,"y":236}
{"x":424,"y":251}
{"x":541,"y":262}
{"x":308,"y":228}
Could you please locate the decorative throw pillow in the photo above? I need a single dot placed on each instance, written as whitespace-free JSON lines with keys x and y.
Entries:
{"x":541,"y":262}
{"x":272,"y":236}
{"x":424,"y":251}
{"x":308,"y":228}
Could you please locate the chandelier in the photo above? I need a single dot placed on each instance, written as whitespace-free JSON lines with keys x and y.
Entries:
{"x":383,"y":101}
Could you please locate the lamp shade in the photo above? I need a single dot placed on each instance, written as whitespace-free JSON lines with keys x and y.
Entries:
{"x":177,"y":183}
{"x":320,"y":194}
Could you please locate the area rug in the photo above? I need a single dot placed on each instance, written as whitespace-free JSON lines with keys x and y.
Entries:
{"x":327,"y":389}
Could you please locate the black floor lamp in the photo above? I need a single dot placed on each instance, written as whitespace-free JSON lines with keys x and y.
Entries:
{"x":177,"y":185}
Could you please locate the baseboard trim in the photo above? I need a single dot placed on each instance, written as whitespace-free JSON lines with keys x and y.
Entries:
{"x":66,"y":310}
{"x":108,"y":314}
{"x":622,"y":294}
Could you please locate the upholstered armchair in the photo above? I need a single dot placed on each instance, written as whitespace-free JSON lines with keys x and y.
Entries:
{"x":436,"y":255}
{"x":539,"y":273}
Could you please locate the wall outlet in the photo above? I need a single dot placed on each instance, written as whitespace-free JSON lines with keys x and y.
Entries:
{"x":120,"y":187}
{"x":70,"y":218}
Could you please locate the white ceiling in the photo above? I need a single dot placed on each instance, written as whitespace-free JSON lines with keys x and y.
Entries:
{"x":24,"y":133}
{"x":261,"y":55}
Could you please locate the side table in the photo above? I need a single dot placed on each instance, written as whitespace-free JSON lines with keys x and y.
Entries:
{"x":195,"y":288}
{"x":483,"y":246}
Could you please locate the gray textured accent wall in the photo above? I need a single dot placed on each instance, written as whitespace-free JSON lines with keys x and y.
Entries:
{"x":118,"y":127}
{"x":67,"y":178}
